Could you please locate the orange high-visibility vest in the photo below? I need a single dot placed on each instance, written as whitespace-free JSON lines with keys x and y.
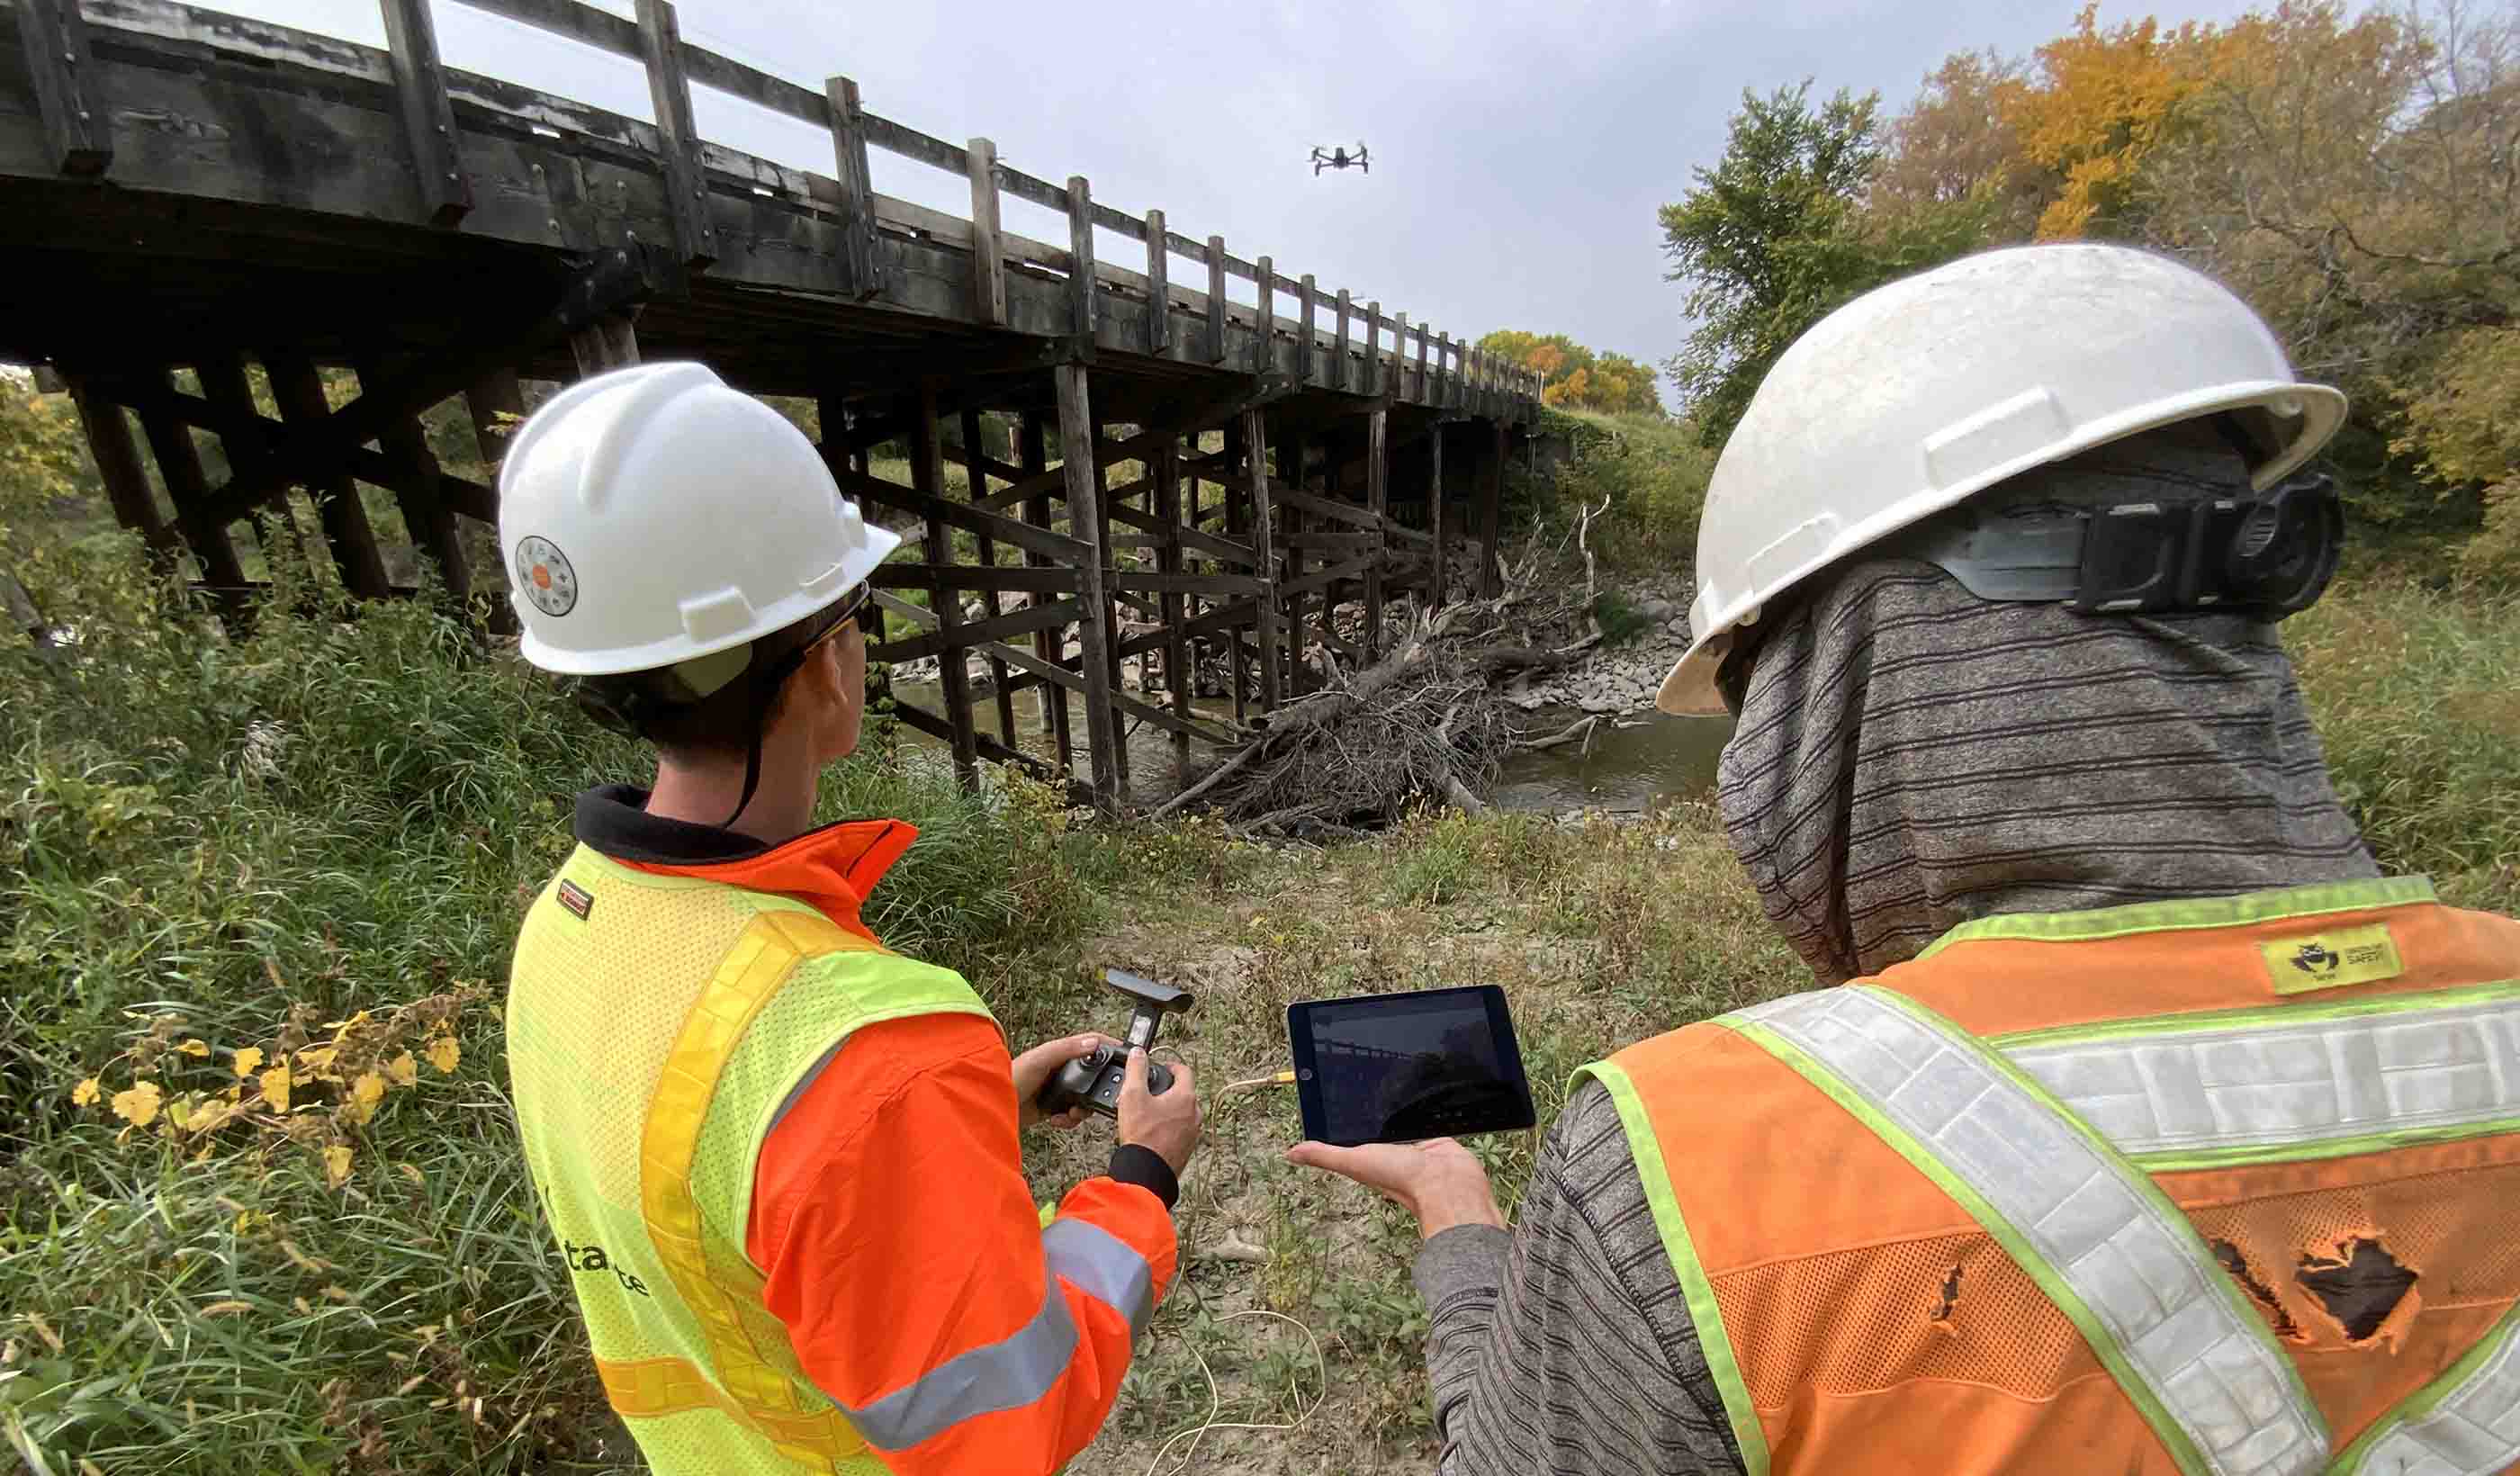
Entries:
{"x":2223,"y":1186}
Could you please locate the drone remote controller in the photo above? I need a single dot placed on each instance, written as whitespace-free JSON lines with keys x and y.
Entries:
{"x":1093,"y":1081}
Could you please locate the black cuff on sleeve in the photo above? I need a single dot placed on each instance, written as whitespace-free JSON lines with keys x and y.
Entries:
{"x":1136,"y":1163}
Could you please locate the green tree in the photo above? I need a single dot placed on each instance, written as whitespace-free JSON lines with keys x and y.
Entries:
{"x":1776,"y":235}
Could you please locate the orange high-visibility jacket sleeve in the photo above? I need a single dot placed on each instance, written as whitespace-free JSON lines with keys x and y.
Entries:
{"x":918,"y":1286}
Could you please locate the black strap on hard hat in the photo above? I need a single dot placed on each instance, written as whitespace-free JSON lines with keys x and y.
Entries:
{"x":2273,"y":551}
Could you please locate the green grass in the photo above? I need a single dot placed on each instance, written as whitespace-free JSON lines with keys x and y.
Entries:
{"x":249,"y":842}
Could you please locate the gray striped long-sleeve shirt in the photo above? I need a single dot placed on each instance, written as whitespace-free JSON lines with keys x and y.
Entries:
{"x":1565,"y":1345}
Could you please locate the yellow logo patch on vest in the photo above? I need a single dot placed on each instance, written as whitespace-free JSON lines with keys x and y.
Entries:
{"x":2332,"y":960}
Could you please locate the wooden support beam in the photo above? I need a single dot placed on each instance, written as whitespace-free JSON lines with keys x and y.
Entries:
{"x":1400,"y":357}
{"x":1023,"y":535}
{"x":953,"y":637}
{"x":1216,"y":299}
{"x":861,"y":275}
{"x":179,"y":465}
{"x":492,"y":399}
{"x":1377,"y":487}
{"x":987,"y":549}
{"x":1264,"y":321}
{"x":78,"y":138}
{"x":428,"y":119}
{"x":1159,"y":290}
{"x":1372,"y":348}
{"x":1339,"y":378}
{"x":1305,"y":353}
{"x":1236,"y":487}
{"x":1435,"y":516}
{"x":609,"y":342}
{"x":1424,"y":385}
{"x":1163,"y":581}
{"x":1492,"y":513}
{"x":1286,"y":525}
{"x":953,"y":676}
{"x":669,"y":91}
{"x":1051,"y":580}
{"x":1178,"y":677}
{"x":988,"y":748}
{"x":298,"y":390}
{"x":1075,"y":433}
{"x":117,"y":466}
{"x":423,"y":507}
{"x":1033,"y":452}
{"x":1100,"y":521}
{"x":988,"y":258}
{"x":1255,"y":453}
{"x":1082,"y":290}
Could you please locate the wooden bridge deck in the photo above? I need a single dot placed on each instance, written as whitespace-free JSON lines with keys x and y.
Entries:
{"x":182,"y":189}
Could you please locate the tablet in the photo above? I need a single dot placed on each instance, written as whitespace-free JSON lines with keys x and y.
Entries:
{"x":1399,"y":1067}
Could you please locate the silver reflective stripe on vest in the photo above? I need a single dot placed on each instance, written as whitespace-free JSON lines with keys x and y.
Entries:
{"x":2473,"y":1431}
{"x":2105,"y":1236}
{"x":2281,"y":1084}
{"x":1007,"y":1374}
{"x":1103,"y":1267}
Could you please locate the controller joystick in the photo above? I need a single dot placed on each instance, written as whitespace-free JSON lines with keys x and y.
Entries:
{"x":1092,"y":1081}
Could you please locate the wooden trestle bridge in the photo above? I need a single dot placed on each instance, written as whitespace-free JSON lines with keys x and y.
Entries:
{"x":185,"y":190}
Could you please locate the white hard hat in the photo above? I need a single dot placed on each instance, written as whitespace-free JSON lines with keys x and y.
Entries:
{"x":651,"y":515}
{"x":1919,"y":394}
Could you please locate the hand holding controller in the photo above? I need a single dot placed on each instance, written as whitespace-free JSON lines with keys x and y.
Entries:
{"x":1093,"y":1081}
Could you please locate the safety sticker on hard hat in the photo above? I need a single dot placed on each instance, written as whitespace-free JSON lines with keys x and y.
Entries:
{"x":543,"y":573}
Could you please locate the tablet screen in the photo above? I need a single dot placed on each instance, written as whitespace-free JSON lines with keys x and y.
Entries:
{"x":1395,"y":1068}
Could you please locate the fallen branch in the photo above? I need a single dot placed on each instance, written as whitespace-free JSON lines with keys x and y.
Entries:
{"x":1579,"y":730}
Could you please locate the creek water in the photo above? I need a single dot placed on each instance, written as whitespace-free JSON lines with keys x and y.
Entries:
{"x":1629,"y":769}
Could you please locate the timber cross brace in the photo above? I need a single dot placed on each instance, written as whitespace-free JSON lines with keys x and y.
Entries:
{"x":302,"y":289}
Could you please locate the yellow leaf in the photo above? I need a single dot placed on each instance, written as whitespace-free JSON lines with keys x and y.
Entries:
{"x":316,"y":1060}
{"x":337,"y":1165}
{"x":226,"y":1309}
{"x":402,"y":1071}
{"x":138,"y":1106}
{"x":180,"y":1112}
{"x":352,"y":1023}
{"x":195,"y":1047}
{"x":443,"y":1053}
{"x":365,"y":1093}
{"x":275,"y":1087}
{"x":247,"y":1060}
{"x":85,"y":1092}
{"x":412,"y":1173}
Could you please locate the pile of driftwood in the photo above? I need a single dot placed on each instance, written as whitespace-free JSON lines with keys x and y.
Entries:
{"x":1427,"y":725}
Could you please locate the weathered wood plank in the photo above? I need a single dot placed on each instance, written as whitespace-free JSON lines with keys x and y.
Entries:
{"x":1492,"y":513}
{"x":987,"y":549}
{"x":972,"y":576}
{"x":1339,"y":378}
{"x":1216,"y":260}
{"x":1372,"y":349}
{"x":858,"y":276}
{"x":988,"y":261}
{"x":298,"y":390}
{"x":427,"y":118}
{"x":117,"y":466}
{"x":1163,"y":581}
{"x":1033,"y":452}
{"x":1264,"y":321}
{"x":68,"y":104}
{"x":1376,"y":495}
{"x":1178,"y":678}
{"x":1076,"y":433}
{"x":1435,"y":574}
{"x":179,"y":465}
{"x":1159,"y":291}
{"x":952,"y":674}
{"x":1021,"y":535}
{"x":1083,"y":292}
{"x":1255,"y":455}
{"x":669,"y":91}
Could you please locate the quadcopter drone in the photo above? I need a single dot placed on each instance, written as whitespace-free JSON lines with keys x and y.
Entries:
{"x":1340,"y":159}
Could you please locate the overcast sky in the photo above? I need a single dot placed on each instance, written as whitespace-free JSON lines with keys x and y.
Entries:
{"x":1519,"y":150}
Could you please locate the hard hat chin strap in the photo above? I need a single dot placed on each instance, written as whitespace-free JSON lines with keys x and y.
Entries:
{"x":2273,"y":551}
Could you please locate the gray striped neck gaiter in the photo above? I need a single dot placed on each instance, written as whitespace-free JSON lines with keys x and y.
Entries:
{"x":1910,"y":757}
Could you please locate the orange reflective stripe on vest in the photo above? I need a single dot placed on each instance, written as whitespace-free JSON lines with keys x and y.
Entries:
{"x":2174,"y":1212}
